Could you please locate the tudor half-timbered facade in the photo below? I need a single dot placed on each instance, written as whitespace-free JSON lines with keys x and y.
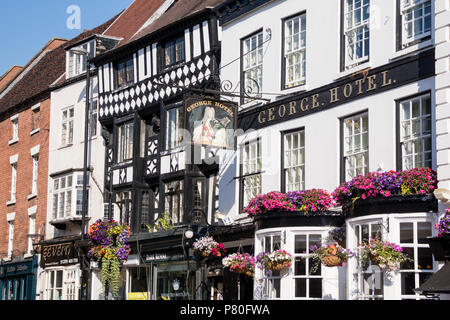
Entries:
{"x":152,"y":170}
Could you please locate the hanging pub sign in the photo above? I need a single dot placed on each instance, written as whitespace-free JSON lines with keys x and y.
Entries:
{"x":211,"y":122}
{"x":58,"y":254}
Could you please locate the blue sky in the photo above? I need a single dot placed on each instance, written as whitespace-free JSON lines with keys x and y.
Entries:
{"x":27,"y":25}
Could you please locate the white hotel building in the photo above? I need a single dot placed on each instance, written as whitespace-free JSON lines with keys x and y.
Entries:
{"x":340,"y":88}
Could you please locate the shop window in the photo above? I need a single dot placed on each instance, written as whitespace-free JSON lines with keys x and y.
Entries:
{"x":413,"y":241}
{"x":369,"y":278}
{"x":54,"y":285}
{"x":272,"y":282}
{"x":356,"y":32}
{"x":307,"y":279}
{"x":174,"y":201}
{"x":415,"y":132}
{"x":294,"y":161}
{"x":356,"y":146}
{"x":294,"y":51}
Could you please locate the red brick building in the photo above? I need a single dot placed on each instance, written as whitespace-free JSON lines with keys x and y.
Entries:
{"x":24,"y":123}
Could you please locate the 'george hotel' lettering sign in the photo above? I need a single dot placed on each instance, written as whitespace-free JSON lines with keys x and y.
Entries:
{"x":375,"y":81}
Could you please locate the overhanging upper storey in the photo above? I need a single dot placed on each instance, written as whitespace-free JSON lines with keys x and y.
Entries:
{"x":175,"y":52}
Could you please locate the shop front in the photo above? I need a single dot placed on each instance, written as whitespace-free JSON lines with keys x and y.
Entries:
{"x":18,"y":279}
{"x":60,"y":276}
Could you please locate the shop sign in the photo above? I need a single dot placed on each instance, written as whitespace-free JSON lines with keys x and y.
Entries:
{"x":162,"y":257}
{"x":58,"y":255}
{"x":351,"y":88}
{"x":211,"y":122}
{"x":137,"y":296}
{"x":16,"y":269}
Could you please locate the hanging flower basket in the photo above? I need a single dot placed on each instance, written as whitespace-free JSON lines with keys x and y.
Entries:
{"x":207,"y":246}
{"x":110,"y":250}
{"x":331,"y":255}
{"x":274,"y":261}
{"x":331,"y":261}
{"x":384,"y":254}
{"x":240,"y":263}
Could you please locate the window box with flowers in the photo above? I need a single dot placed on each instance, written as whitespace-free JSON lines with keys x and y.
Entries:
{"x":296,"y":208}
{"x":440,"y":245}
{"x":387,"y":192}
{"x":110,"y":250}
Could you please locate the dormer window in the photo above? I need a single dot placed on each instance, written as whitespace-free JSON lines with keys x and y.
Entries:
{"x":124,"y":72}
{"x":77,"y":62}
{"x":174,"y":51}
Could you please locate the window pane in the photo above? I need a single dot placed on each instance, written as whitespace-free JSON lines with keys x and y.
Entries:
{"x":408,"y":265}
{"x":300,"y":287}
{"x":406,"y":232}
{"x":425,"y":259}
{"x":315,"y":288}
{"x":300,"y":266}
{"x":408,"y":283}
{"x":424,"y":230}
{"x":300,"y":244}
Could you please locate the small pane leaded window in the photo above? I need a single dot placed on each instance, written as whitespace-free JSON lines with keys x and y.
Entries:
{"x":174,"y":51}
{"x":125,"y":142}
{"x":125,"y":73}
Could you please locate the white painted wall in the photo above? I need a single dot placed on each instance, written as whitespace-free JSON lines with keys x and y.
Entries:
{"x":71,"y":157}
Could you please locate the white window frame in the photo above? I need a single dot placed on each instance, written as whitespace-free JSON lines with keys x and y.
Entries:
{"x":408,"y":6}
{"x":69,"y":194}
{"x":31,"y":231}
{"x":416,"y":246}
{"x":125,"y":143}
{"x":10,"y":238}
{"x":67,"y":126}
{"x":352,"y":28}
{"x":422,"y":139}
{"x":34,"y":185}
{"x":351,"y":151}
{"x":93,"y":118}
{"x":356,"y":240}
{"x":294,"y":160}
{"x":252,"y":65}
{"x":297,"y":55}
{"x":174,"y":125}
{"x":269,"y":281}
{"x":78,"y":62}
{"x":15,"y":129}
{"x":13,"y":181}
{"x":251,"y":159}
{"x":307,"y":261}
